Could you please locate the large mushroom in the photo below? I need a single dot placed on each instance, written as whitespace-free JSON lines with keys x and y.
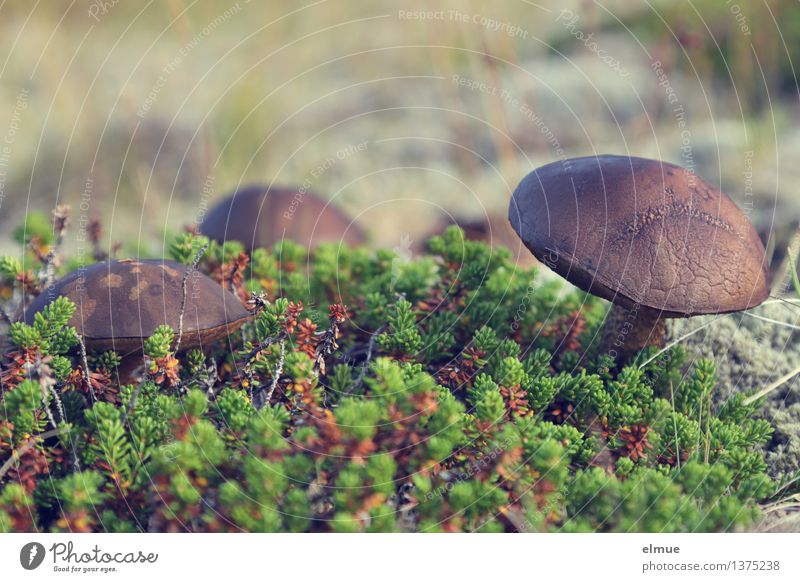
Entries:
{"x":258,"y":216}
{"x":647,"y":235}
{"x":119,"y":304}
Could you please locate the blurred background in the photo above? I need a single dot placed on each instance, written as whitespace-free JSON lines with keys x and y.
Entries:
{"x":143,"y":115}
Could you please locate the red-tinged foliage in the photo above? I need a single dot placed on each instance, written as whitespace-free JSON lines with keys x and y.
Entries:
{"x":100,"y":387}
{"x":462,"y":371}
{"x":634,"y":440}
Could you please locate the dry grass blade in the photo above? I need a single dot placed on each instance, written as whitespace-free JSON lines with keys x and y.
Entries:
{"x":22,"y":449}
{"x":276,"y":374}
{"x":793,"y":270}
{"x":774,"y":321}
{"x":774,"y":386}
{"x":672,"y":344}
{"x":186,"y":275}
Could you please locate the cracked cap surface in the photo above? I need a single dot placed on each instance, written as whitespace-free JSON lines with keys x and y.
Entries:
{"x":119,"y":304}
{"x":639,"y":231}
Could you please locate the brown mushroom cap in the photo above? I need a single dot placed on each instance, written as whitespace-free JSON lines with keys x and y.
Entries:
{"x":637,"y":231}
{"x":260,"y":217}
{"x":120,"y":303}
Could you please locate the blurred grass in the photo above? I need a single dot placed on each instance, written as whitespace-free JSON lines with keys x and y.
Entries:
{"x":277,"y":88}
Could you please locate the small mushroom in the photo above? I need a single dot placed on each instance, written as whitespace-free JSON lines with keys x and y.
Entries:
{"x":649,"y":236}
{"x":494,"y":230}
{"x":119,"y":304}
{"x":258,"y":216}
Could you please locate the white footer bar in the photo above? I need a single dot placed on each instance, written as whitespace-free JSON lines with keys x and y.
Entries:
{"x":406,"y":557}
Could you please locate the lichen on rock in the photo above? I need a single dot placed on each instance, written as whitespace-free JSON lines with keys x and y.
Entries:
{"x":751,"y":353}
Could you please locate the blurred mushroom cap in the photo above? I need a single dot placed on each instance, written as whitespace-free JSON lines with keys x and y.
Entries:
{"x":119,"y":304}
{"x":494,"y":230}
{"x":258,"y":216}
{"x":638,"y":231}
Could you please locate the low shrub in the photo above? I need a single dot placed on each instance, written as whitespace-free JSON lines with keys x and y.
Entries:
{"x":452,"y":392}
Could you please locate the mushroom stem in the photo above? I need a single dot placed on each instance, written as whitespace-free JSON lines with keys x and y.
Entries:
{"x":628,"y":331}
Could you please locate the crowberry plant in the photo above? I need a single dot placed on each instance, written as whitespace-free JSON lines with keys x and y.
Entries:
{"x":454,"y":392}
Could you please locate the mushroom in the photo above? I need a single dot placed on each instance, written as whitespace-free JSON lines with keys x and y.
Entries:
{"x":259,"y":216}
{"x":494,"y":230}
{"x":119,"y":304}
{"x":649,"y":236}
